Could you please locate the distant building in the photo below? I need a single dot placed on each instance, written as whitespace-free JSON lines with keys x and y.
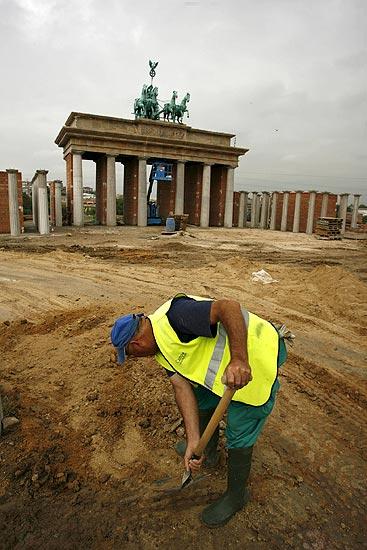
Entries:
{"x":27,"y":187}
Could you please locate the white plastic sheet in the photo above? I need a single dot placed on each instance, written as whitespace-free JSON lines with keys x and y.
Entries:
{"x":263,"y":277}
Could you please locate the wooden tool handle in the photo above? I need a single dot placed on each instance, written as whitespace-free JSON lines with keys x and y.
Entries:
{"x":214,"y":421}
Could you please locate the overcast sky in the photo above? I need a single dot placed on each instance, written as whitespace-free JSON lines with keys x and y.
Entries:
{"x":288,"y":77}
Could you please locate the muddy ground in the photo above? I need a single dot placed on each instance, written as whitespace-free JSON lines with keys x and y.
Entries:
{"x":91,"y":462}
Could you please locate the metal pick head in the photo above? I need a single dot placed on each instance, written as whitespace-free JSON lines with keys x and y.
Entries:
{"x":186,"y":479}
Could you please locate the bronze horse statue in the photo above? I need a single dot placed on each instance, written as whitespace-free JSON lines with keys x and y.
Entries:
{"x":181,"y":109}
{"x":146,"y":106}
{"x":139,"y":103}
{"x":169,"y":108}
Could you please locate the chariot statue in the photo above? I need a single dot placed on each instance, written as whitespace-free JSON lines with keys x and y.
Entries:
{"x":148,"y":105}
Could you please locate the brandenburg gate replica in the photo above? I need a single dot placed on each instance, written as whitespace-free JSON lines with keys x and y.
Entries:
{"x":194,"y":169}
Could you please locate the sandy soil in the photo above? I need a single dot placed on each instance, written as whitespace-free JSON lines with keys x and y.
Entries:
{"x":91,"y":463}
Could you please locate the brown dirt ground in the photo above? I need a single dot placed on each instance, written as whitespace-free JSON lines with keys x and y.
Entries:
{"x":90,"y":461}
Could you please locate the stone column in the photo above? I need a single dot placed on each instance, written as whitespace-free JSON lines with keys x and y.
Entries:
{"x":283,"y":223}
{"x":245,"y":209}
{"x":311,"y":212}
{"x":354,"y":222}
{"x":228,"y":209}
{"x":142,"y":192}
{"x":253,"y":209}
{"x":58,"y":205}
{"x":111,"y":191}
{"x":273,"y":215}
{"x":13,"y":202}
{"x":297,"y":212}
{"x":242,"y":209}
{"x":43,"y":214}
{"x":35,"y":202}
{"x":205,"y":196}
{"x":343,"y":210}
{"x":78,"y":207}
{"x":180,"y":188}
{"x":324,"y":204}
{"x":257,"y":209}
{"x":264,"y":210}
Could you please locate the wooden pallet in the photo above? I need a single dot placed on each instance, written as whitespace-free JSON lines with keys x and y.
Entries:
{"x":330,"y":237}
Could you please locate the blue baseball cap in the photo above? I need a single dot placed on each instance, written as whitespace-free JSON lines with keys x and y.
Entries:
{"x":122,"y":331}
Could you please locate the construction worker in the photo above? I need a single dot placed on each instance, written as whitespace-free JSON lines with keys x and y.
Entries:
{"x":206,"y":345}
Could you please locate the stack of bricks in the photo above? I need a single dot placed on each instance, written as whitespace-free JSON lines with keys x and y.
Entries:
{"x":4,"y":203}
{"x":329,"y":228}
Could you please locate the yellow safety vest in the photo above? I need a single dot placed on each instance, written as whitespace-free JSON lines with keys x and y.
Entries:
{"x":203,"y":360}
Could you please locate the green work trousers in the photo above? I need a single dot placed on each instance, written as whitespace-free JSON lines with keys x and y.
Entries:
{"x":244,"y":422}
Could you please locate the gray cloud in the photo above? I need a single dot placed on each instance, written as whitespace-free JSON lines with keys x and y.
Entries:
{"x":251,"y":68}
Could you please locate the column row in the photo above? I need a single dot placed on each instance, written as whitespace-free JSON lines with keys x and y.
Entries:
{"x":266,"y":208}
{"x":135,"y":191}
{"x":266,"y":211}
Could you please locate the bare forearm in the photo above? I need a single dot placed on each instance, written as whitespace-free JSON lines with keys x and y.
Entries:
{"x":228,"y":312}
{"x":187,"y":405}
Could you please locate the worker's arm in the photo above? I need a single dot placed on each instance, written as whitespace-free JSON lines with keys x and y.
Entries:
{"x":228,"y":312}
{"x":187,"y":404}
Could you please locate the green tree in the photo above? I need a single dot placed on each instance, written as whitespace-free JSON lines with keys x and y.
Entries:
{"x":120,"y":206}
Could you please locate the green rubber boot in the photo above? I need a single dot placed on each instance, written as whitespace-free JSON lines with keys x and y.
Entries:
{"x":236,"y":496}
{"x":211,"y":451}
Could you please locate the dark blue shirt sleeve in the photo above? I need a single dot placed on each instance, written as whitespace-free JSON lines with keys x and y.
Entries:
{"x":190,"y":318}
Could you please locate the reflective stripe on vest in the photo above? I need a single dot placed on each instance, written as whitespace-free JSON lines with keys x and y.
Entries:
{"x":204,"y":360}
{"x":217,"y":356}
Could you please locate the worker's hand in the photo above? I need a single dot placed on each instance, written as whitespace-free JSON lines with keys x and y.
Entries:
{"x":192,"y":464}
{"x":237,"y":374}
